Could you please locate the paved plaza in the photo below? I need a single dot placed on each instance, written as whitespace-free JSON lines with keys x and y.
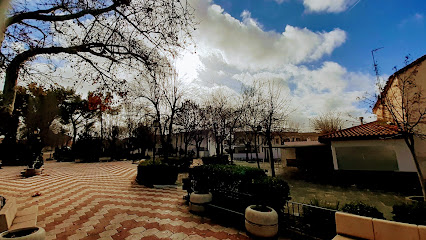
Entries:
{"x":102,"y":201}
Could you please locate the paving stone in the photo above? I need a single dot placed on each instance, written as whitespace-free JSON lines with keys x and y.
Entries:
{"x":102,"y":201}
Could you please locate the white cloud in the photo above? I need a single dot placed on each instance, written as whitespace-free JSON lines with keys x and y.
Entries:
{"x":329,"y":6}
{"x":245,"y":44}
{"x":417,"y":18}
{"x":279,"y":1}
{"x":235,"y":52}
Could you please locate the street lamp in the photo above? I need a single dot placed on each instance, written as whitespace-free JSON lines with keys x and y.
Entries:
{"x":155,"y":125}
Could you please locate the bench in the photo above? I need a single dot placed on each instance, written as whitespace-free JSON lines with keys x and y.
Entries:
{"x":11,"y":218}
{"x":350,"y":226}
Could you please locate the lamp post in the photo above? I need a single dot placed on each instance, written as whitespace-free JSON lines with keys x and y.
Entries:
{"x":155,"y":125}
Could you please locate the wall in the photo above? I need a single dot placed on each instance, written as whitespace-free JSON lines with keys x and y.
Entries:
{"x":374,"y":155}
{"x":420,"y":148}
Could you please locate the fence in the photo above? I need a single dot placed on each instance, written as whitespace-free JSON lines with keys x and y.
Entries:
{"x":311,"y":221}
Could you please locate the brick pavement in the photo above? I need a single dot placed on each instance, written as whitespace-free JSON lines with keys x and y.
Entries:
{"x":102,"y":201}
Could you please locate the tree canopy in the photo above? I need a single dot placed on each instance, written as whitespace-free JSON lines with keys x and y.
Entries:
{"x":104,"y":36}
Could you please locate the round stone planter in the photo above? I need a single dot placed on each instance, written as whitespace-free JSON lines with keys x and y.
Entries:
{"x":32,"y":233}
{"x":261,"y":222}
{"x":198,"y":200}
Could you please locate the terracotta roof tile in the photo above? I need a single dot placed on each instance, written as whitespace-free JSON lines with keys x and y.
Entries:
{"x":371,"y":130}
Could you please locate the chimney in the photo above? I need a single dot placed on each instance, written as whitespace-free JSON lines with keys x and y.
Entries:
{"x":362,"y":120}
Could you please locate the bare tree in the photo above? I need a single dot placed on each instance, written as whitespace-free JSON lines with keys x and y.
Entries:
{"x":402,"y":101}
{"x":104,"y":35}
{"x":173,"y":95}
{"x":164,"y":92}
{"x":186,"y":120}
{"x":233,"y":122}
{"x":200,"y":129}
{"x":217,"y":118}
{"x":327,"y":122}
{"x":252,"y":102}
{"x":276,"y":109}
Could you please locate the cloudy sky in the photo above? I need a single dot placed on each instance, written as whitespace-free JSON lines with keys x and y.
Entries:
{"x":320,"y":49}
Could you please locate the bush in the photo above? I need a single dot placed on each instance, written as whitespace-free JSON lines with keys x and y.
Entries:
{"x":88,"y":149}
{"x":221,"y":159}
{"x":362,"y":209}
{"x":63,"y":154}
{"x":319,"y":220}
{"x":238,"y":186}
{"x":226,"y":177}
{"x":414,"y":213}
{"x":181,"y":163}
{"x":270,"y":191}
{"x":150,"y":173}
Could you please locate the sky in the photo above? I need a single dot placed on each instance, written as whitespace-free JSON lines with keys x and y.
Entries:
{"x":319,"y":49}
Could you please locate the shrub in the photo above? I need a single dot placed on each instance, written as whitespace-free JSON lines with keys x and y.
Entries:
{"x":362,"y":209}
{"x":63,"y":154}
{"x":221,"y":159}
{"x":238,"y":186}
{"x":150,"y":173}
{"x":88,"y":149}
{"x":270,"y":191}
{"x":414,"y":213}
{"x":319,"y":219}
{"x":323,"y":204}
{"x":181,"y":163}
{"x":226,"y":177}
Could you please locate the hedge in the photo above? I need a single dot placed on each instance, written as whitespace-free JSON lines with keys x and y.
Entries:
{"x":228,"y":182}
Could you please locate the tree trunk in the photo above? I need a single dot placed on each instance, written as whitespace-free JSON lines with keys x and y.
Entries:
{"x":257,"y":151}
{"x":221,"y":148}
{"x":4,"y":6}
{"x":230,"y":148}
{"x":186,"y":148}
{"x":217,"y":147}
{"x":74,"y":130}
{"x":9,"y":90}
{"x":247,"y":158}
{"x":197,"y":146}
{"x":409,"y":140}
{"x":271,"y":154}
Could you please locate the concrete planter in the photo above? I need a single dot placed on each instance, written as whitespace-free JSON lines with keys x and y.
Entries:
{"x":32,"y":233}
{"x":198,"y":200}
{"x":261,"y":223}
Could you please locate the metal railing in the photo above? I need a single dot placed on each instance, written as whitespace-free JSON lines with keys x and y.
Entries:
{"x":309,"y":220}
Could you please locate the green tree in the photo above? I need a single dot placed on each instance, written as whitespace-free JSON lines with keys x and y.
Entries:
{"x":74,"y":110}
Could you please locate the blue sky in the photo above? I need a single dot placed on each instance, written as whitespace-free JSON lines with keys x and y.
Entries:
{"x":398,"y":26}
{"x":320,"y":50}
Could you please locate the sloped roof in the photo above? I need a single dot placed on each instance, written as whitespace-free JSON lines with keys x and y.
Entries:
{"x":373,"y":130}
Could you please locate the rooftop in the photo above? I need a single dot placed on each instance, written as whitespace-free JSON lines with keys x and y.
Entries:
{"x":373,"y":130}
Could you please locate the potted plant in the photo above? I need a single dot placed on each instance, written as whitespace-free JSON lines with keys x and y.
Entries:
{"x":32,"y":233}
{"x":261,"y":220}
{"x":200,"y":195}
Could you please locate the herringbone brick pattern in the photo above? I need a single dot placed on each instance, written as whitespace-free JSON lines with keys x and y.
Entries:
{"x":102,"y":201}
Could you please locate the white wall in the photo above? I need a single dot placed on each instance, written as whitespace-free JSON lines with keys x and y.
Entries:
{"x":404,"y":157}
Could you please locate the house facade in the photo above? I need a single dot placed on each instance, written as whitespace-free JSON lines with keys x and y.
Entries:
{"x":380,"y":145}
{"x":375,"y":146}
{"x":404,"y":99}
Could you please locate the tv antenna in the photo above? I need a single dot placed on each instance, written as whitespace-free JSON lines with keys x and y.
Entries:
{"x":376,"y":66}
